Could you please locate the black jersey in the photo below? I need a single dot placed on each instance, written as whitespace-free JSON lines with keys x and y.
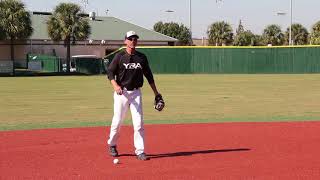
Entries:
{"x":128,"y":70}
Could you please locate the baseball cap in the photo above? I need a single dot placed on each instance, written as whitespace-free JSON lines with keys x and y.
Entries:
{"x":130,"y":34}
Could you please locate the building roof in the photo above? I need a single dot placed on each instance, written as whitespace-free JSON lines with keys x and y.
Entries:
{"x":102,"y":28}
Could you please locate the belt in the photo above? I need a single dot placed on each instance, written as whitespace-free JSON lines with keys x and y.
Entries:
{"x":130,"y":89}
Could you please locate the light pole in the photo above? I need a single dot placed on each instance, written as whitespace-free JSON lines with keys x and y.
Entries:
{"x":169,"y":11}
{"x":85,"y":3}
{"x":290,"y":28}
{"x":190,"y":25}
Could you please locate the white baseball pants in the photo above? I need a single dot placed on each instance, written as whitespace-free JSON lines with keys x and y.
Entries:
{"x":132,"y":100}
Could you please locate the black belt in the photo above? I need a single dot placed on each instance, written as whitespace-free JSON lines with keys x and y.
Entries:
{"x":130,"y":88}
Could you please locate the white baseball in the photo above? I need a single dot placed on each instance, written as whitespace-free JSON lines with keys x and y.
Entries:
{"x":115,"y":161}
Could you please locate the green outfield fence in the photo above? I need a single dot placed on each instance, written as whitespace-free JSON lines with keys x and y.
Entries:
{"x":81,"y":65}
{"x":89,"y":65}
{"x":228,"y":60}
{"x":46,"y":63}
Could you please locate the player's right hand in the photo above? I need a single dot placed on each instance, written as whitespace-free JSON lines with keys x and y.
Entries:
{"x":118,"y":90}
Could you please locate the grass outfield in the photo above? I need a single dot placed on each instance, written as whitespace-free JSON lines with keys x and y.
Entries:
{"x":78,"y":101}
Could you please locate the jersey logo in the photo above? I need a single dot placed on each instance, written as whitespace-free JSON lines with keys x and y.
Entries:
{"x":132,"y":66}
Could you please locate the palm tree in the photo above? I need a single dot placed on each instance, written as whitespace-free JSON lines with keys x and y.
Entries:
{"x":299,"y":34}
{"x":315,"y":34}
{"x":220,"y":33}
{"x":272,"y":35}
{"x":15,"y":22}
{"x":2,"y":34}
{"x":66,"y":24}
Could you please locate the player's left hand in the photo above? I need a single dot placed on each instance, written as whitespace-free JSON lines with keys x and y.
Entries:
{"x":159,"y":102}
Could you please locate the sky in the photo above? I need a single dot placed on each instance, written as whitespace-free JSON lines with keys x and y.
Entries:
{"x":254,"y":14}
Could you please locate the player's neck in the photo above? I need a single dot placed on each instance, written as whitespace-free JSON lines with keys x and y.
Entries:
{"x":130,"y":50}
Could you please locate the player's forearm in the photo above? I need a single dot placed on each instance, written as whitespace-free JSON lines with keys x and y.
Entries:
{"x":116,"y":87}
{"x":114,"y":84}
{"x":154,"y":88}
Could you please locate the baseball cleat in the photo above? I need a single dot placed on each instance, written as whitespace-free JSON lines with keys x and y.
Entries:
{"x":113,"y":151}
{"x":143,"y":157}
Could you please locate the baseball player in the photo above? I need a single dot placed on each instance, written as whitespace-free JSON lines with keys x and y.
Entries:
{"x":125,"y":73}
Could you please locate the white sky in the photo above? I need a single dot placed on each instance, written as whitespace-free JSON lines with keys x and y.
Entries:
{"x":255,"y":14}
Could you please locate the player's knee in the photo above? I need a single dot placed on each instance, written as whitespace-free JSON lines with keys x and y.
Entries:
{"x":138,"y":128}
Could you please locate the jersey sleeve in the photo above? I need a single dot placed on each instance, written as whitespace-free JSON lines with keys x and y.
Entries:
{"x":113,"y":67}
{"x":147,"y":71}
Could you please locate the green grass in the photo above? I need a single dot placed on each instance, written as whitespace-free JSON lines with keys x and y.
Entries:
{"x":79,"y":101}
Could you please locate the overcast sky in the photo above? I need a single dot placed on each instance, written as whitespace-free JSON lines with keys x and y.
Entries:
{"x":255,"y":14}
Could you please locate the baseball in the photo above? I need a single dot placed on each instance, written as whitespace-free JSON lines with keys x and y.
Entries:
{"x":116,"y":161}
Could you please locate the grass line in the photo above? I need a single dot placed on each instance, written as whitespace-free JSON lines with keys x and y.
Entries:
{"x":79,"y":101}
{"x":71,"y":124}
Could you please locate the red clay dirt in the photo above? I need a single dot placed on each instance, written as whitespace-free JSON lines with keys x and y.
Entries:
{"x":240,"y":151}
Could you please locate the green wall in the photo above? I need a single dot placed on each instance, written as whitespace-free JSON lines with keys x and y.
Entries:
{"x":243,"y":60}
{"x":88,"y":65}
{"x":48,"y":63}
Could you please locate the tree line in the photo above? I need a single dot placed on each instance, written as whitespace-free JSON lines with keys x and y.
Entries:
{"x":66,"y":24}
{"x":221,"y":34}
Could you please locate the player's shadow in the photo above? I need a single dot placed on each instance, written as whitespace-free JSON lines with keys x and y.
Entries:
{"x":190,"y":153}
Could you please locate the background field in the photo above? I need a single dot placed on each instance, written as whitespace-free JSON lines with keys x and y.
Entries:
{"x":75,"y":101}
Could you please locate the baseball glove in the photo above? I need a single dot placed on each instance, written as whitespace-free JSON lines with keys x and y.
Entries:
{"x":159,"y":102}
